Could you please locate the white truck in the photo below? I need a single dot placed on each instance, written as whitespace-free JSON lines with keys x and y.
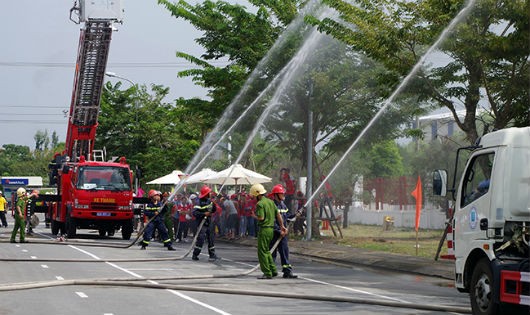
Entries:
{"x":491,"y":222}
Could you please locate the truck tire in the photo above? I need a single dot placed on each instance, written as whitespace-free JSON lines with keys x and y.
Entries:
{"x":102,"y":232}
{"x":482,"y":288}
{"x":127,"y":229}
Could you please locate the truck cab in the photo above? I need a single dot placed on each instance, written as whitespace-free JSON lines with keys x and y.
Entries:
{"x":491,"y":223}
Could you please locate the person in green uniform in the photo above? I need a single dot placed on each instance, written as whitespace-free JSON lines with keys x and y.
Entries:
{"x":266,"y":214}
{"x":20,"y":220}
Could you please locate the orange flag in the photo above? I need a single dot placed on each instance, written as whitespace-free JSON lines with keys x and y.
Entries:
{"x":417,"y":193}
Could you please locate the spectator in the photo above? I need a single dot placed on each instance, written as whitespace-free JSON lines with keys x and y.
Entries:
{"x":290,"y":185}
{"x":231,"y":213}
{"x":3,"y":209}
{"x":184,"y":211}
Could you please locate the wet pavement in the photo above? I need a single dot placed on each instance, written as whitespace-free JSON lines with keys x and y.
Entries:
{"x":344,"y":255}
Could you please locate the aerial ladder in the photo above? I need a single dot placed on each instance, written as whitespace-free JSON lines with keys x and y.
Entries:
{"x":93,"y":52}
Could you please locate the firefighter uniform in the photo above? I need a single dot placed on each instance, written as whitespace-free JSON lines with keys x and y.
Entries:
{"x":203,"y":210}
{"x":20,"y":220}
{"x":157,"y":223}
{"x":283,"y":245}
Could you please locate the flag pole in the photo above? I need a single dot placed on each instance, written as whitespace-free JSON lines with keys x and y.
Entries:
{"x":417,"y":245}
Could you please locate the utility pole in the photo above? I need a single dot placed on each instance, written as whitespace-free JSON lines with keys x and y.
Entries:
{"x":309,"y":184}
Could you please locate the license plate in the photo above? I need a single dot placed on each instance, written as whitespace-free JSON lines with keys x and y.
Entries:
{"x":103,"y":214}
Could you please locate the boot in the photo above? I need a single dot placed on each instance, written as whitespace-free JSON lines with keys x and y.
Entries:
{"x":170,"y":248}
{"x":143,"y":245}
{"x":289,"y":274}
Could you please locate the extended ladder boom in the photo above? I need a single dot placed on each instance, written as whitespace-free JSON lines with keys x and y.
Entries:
{"x":92,"y":55}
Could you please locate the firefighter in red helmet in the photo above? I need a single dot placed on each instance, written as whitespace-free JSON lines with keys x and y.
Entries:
{"x":204,"y":210}
{"x":278,"y":196}
{"x":153,"y":210}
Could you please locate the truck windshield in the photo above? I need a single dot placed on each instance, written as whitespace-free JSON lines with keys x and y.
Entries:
{"x":103,"y":178}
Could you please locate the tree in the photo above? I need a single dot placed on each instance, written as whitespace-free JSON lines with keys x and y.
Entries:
{"x":236,"y":35}
{"x":489,"y":52}
{"x":139,"y":125}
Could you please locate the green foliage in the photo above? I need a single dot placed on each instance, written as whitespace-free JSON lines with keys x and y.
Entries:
{"x":489,"y":52}
{"x":152,"y":134}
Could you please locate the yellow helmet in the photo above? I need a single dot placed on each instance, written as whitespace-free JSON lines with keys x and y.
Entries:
{"x":21,"y":192}
{"x":257,"y":189}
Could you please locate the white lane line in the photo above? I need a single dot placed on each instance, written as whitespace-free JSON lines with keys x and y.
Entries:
{"x":24,"y":250}
{"x":59,"y":278}
{"x":139,"y":276}
{"x":355,"y":290}
{"x":85,"y":252}
{"x":177,"y":293}
{"x":82,"y":295}
{"x":44,"y":266}
{"x":124,"y":270}
{"x":33,"y":257}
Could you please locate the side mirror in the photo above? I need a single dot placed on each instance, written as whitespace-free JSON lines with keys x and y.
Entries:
{"x":439,"y":183}
{"x":483,"y":224}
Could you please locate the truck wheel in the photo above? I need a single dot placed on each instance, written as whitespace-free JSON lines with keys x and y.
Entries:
{"x":55,"y":227}
{"x":102,"y":232}
{"x":126,"y":230}
{"x":481,"y":290}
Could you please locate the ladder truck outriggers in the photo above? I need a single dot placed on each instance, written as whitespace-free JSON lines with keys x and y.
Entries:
{"x":91,"y":193}
{"x":490,"y":228}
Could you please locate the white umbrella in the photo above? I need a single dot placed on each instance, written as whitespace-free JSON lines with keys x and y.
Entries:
{"x":169,"y":179}
{"x":237,"y":175}
{"x":199,"y":177}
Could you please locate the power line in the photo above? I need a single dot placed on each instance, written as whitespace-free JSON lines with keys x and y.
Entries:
{"x":32,"y":106}
{"x":113,"y":65}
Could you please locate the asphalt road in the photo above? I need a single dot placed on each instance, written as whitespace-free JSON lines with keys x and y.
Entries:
{"x":318,"y":290}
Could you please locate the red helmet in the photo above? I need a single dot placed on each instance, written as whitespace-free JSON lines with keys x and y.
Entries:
{"x":278,"y":189}
{"x":152,"y":193}
{"x":205,"y":190}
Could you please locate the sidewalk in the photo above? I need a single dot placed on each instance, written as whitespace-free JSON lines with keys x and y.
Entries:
{"x":355,"y":256}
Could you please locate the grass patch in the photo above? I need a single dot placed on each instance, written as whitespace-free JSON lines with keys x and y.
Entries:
{"x":396,"y":240}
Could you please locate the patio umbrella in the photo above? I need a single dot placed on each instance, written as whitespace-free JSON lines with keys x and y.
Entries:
{"x":170,"y":179}
{"x":237,"y":175}
{"x":199,"y":177}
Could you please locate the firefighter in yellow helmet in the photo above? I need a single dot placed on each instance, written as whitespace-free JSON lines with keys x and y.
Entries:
{"x":20,"y":220}
{"x":266,"y":214}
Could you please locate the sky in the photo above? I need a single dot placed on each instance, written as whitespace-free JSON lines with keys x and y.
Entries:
{"x":39,"y":51}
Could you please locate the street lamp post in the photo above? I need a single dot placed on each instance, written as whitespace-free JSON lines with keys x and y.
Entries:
{"x":136,"y":107}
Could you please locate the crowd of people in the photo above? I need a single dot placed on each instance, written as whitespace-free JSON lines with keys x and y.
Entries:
{"x":234,"y":215}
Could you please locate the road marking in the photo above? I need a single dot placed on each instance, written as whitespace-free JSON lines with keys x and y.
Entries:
{"x":139,"y":276}
{"x":24,"y":250}
{"x":82,"y":295}
{"x":124,"y":270}
{"x":85,"y":252}
{"x":186,"y":297}
{"x":59,"y":278}
{"x":44,"y":266}
{"x":355,"y":290}
{"x":33,"y":257}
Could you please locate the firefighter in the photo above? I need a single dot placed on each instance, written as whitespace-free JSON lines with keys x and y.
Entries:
{"x":266,"y":211}
{"x":20,"y":216}
{"x":152,"y":211}
{"x":204,"y":210}
{"x":278,"y":195}
{"x":30,"y":210}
